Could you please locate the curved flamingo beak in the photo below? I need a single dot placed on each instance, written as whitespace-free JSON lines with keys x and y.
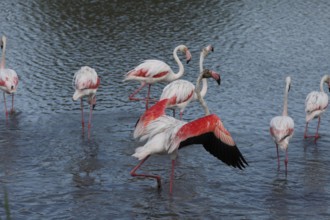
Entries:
{"x":210,"y":48}
{"x":188,"y":56}
{"x":216,"y":77}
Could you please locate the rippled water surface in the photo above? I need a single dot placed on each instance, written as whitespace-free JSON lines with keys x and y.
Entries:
{"x":50,"y":171}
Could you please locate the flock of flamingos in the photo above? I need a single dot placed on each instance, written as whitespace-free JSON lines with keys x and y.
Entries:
{"x":164,"y":134}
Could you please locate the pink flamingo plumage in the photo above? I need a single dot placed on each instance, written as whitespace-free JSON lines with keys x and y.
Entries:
{"x":315,"y":104}
{"x":183,"y":90}
{"x":8,"y":77}
{"x":165,"y":134}
{"x":153,"y":71}
{"x":282,"y":127}
{"x":86,"y":83}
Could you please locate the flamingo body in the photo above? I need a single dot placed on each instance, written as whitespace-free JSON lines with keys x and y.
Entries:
{"x":8,"y":80}
{"x":153,"y":71}
{"x":8,"y":77}
{"x":315,"y":104}
{"x":86,"y":83}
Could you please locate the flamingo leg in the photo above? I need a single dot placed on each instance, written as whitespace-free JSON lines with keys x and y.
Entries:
{"x":317,"y":129}
{"x":4,"y":98}
{"x":181,"y":115}
{"x":172,"y":176}
{"x":90,"y":120}
{"x":173,"y":112}
{"x":12,"y":103}
{"x":148,"y":96}
{"x":131,"y":96}
{"x":133,"y":172}
{"x":278,"y":158}
{"x":305,"y":133}
{"x":286,"y":161}
{"x":82,"y":113}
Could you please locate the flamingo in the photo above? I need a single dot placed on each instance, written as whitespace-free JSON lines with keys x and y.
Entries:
{"x":183,"y":90}
{"x":166,"y":135}
{"x":86,"y":83}
{"x":315,"y":104}
{"x":282,"y":127}
{"x":153,"y":71}
{"x":8,"y":78}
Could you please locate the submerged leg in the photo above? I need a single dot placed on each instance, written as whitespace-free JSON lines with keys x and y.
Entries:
{"x":4,"y":98}
{"x":133,"y":172}
{"x":82,"y":113}
{"x":12,"y":104}
{"x":317,"y":129}
{"x":286,"y":161}
{"x":90,"y":120}
{"x":278,"y":158}
{"x":172,"y":176}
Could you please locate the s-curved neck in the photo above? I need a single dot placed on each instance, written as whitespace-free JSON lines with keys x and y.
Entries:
{"x":181,"y":68}
{"x":199,"y":95}
{"x":324,"y":78}
{"x":201,"y":68}
{"x":3,"y":59}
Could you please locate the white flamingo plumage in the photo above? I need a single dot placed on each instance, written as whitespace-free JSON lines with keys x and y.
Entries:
{"x":183,"y":90}
{"x":86,"y":83}
{"x":8,"y":77}
{"x":315,"y":104}
{"x":166,"y":135}
{"x":282,"y":127}
{"x":154,"y":71}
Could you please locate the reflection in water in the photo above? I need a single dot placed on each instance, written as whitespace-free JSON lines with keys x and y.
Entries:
{"x":84,"y":175}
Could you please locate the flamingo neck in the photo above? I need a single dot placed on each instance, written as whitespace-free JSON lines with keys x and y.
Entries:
{"x":285,"y":103}
{"x":199,"y":95}
{"x":177,"y":75}
{"x":201,"y":68}
{"x":324,"y":78}
{"x":3,"y":61}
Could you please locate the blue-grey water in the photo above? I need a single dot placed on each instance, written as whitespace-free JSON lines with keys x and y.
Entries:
{"x":50,"y":171}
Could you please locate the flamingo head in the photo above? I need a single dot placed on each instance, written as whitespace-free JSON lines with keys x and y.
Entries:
{"x":92,"y":101}
{"x":209,"y":73}
{"x":328,"y":82}
{"x":207,"y":50}
{"x":288,"y":82}
{"x":184,"y":49}
{"x":3,"y":42}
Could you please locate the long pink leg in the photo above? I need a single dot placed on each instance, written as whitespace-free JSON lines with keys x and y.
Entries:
{"x":305,"y":133}
{"x":12,"y":103}
{"x":148,"y":96}
{"x":133,"y":172}
{"x":82,"y":113}
{"x":172,"y":176}
{"x":4,"y":98}
{"x":131,"y":96}
{"x":286,"y":161}
{"x":317,"y":129}
{"x":278,"y":158}
{"x":90,"y":120}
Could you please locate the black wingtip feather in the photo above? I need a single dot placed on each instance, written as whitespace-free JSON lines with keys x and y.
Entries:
{"x":230,"y":155}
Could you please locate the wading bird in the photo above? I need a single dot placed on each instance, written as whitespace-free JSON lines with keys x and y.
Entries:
{"x":86,"y":83}
{"x":183,"y":90}
{"x":153,"y":71}
{"x":8,"y":77}
{"x":166,"y":135}
{"x":281,"y":127}
{"x":315,"y":104}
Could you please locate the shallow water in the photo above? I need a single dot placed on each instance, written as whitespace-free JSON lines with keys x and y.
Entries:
{"x":51,"y":171}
